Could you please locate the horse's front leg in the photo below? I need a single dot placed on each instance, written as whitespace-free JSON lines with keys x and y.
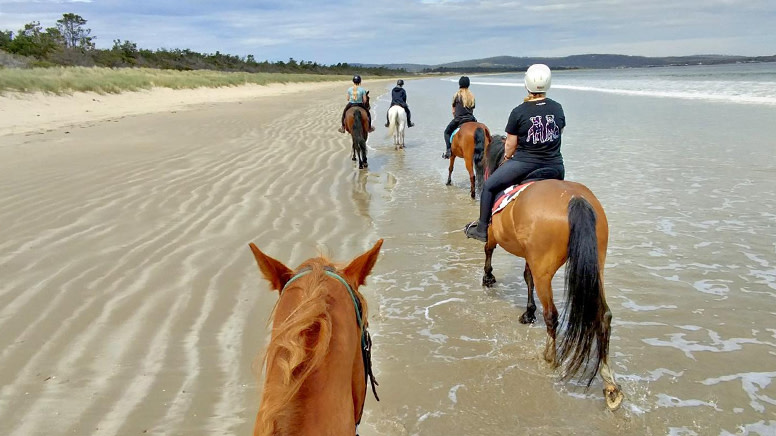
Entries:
{"x":355,"y":144}
{"x":529,"y":316}
{"x":488,"y":279}
{"x":450,"y":170}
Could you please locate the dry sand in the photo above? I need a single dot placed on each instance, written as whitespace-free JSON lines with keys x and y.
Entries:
{"x":129,"y":300}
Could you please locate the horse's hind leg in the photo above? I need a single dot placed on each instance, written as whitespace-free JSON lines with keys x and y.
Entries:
{"x":529,"y":316}
{"x":543,"y":284}
{"x":488,"y":279}
{"x":450,"y":170}
{"x":470,"y":169}
{"x":612,"y":393}
{"x":362,"y":155}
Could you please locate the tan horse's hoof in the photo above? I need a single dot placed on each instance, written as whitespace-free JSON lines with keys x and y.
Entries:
{"x":613,"y":396}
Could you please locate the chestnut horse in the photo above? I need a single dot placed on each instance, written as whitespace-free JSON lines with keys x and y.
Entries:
{"x":550,"y":223}
{"x":357,"y":124}
{"x":319,"y":356}
{"x":469,"y":143}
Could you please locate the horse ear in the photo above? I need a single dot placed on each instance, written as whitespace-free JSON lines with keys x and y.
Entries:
{"x":273,"y":270}
{"x":360,"y":267}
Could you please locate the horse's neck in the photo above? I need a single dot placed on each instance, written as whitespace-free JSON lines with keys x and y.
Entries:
{"x":325,"y":398}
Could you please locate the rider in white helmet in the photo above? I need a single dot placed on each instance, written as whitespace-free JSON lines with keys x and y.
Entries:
{"x":533,"y":142}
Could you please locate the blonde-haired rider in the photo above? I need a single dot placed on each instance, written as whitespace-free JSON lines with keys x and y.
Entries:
{"x":463,"y":111}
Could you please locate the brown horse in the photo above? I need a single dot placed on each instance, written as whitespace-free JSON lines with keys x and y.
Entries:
{"x":318,"y":359}
{"x":550,"y":223}
{"x":469,"y":143}
{"x":357,"y":124}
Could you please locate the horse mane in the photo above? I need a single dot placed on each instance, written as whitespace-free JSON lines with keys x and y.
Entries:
{"x":494,"y":154}
{"x":298,"y":347}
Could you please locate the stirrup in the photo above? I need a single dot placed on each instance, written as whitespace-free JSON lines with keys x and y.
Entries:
{"x":471,"y":231}
{"x":446,"y":155}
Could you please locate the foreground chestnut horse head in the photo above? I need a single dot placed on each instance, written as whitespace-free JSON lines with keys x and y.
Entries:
{"x":318,"y":359}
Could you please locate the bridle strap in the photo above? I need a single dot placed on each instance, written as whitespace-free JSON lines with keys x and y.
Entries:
{"x":366,"y":339}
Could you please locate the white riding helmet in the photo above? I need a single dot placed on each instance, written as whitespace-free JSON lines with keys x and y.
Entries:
{"x":538,"y":78}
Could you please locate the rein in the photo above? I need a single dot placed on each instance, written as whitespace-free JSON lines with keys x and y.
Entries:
{"x":366,"y":339}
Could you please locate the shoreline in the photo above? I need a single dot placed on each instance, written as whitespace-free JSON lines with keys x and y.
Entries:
{"x":29,"y":113}
{"x":38,"y":112}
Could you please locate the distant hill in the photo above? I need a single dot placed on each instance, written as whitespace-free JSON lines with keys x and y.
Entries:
{"x":512,"y":63}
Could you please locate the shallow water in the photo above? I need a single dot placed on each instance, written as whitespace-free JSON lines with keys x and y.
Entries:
{"x":690,"y":275}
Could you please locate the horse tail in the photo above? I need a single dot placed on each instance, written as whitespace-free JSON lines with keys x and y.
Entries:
{"x":298,"y":347}
{"x":393,"y":122}
{"x":585,"y":309}
{"x":479,"y":144}
{"x":358,"y":127}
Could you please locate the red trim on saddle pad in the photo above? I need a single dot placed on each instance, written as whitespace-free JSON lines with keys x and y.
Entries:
{"x":509,"y":194}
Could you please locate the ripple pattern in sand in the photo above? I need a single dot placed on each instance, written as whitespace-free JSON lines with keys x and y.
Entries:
{"x":129,"y":300}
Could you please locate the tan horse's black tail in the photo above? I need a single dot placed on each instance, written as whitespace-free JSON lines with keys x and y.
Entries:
{"x":479,"y":153}
{"x":479,"y":145}
{"x":584,"y":323}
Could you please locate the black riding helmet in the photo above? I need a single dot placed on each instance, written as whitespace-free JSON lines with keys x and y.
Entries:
{"x":356,"y":79}
{"x":463,"y":82}
{"x":400,"y":82}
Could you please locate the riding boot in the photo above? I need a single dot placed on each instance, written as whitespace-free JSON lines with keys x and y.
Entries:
{"x":446,"y":154}
{"x":476,"y":230}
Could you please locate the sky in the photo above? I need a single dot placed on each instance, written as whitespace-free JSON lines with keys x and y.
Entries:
{"x":418,"y":31}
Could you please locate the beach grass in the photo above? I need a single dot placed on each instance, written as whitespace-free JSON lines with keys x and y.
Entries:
{"x":67,"y":80}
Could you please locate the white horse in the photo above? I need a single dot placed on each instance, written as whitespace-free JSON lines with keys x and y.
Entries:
{"x":397,"y":119}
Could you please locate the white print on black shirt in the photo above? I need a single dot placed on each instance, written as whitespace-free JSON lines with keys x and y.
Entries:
{"x":543,"y":133}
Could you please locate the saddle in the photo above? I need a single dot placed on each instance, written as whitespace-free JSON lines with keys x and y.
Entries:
{"x":511,"y":193}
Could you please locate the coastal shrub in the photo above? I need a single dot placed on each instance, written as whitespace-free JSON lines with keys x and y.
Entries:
{"x":66,"y":80}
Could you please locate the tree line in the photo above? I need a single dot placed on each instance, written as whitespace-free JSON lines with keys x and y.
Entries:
{"x":71,"y":43}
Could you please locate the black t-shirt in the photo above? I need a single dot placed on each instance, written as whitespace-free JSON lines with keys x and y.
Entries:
{"x":537,"y":125}
{"x":460,"y":109}
{"x":398,"y":95}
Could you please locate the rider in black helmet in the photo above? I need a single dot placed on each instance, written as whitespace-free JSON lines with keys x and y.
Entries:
{"x":463,"y":111}
{"x":357,"y":96}
{"x":399,"y":98}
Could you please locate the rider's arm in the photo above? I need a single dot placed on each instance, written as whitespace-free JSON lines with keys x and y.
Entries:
{"x":510,"y":146}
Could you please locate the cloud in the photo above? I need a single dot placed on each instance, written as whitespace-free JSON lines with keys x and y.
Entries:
{"x":419,"y":31}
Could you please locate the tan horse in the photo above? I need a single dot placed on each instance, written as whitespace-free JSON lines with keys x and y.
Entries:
{"x":357,"y":124}
{"x":550,"y":223}
{"x":469,"y":143}
{"x":318,"y":359}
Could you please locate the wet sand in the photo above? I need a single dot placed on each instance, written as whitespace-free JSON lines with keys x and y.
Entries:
{"x":129,"y":300}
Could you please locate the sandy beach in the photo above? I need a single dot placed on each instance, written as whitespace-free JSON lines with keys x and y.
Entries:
{"x":129,"y":300}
